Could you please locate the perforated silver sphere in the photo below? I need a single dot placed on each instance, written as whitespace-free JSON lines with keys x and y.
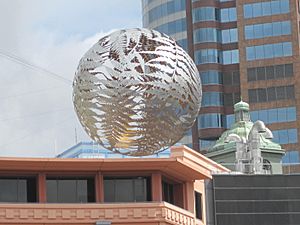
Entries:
{"x":136,"y":92}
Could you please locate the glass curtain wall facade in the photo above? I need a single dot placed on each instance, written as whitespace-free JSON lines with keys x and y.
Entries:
{"x":242,"y":48}
{"x":168,"y":17}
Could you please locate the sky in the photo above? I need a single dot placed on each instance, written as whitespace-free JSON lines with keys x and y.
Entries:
{"x":40,"y":42}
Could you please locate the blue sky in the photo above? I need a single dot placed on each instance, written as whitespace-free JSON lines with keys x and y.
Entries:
{"x":36,"y":110}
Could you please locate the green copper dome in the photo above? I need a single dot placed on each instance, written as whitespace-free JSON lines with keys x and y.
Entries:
{"x":241,"y":106}
{"x":225,"y":149}
{"x":242,"y":127}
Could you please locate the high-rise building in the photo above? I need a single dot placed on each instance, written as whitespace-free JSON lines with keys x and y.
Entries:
{"x":244,"y":48}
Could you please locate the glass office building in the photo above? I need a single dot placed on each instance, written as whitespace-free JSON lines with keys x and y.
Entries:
{"x":242,"y":48}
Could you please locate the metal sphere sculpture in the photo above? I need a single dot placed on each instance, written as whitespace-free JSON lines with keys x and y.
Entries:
{"x":136,"y":92}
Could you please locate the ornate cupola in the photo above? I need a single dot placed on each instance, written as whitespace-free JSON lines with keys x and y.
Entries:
{"x":247,"y":143}
{"x":241,"y":111}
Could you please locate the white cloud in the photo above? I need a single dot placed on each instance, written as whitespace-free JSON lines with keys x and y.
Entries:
{"x":36,"y":111}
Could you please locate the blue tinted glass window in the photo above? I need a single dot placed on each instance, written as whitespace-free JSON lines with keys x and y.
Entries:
{"x":232,"y":14}
{"x":266,"y":8}
{"x":183,"y":44}
{"x":254,"y":116}
{"x":206,"y":143}
{"x":228,"y":14}
{"x":258,"y":31}
{"x":292,"y":136}
{"x":233,"y":35}
{"x":275,"y":7}
{"x":287,"y":49}
{"x":294,"y":157}
{"x":206,"y":56}
{"x":227,"y":57}
{"x":278,"y":51}
{"x":283,"y":136}
{"x":211,"y":77}
{"x":272,"y":116}
{"x":249,"y":32}
{"x":173,"y":27}
{"x":282,"y":115}
{"x":277,"y":28}
{"x":225,"y":36}
{"x":224,"y":15}
{"x":250,"y":53}
{"x":210,"y":13}
{"x":212,"y":34}
{"x":212,"y":99}
{"x":229,"y":121}
{"x":248,"y":11}
{"x":268,"y":29}
{"x":284,"y":6}
{"x":235,"y":56}
{"x":291,"y":114}
{"x":263,"y":115}
{"x":257,"y":9}
{"x":259,"y":52}
{"x":164,"y":10}
{"x":269,"y":51}
{"x":204,"y":14}
{"x":213,"y":55}
{"x":291,"y":157}
{"x":286,"y":27}
{"x":229,"y":36}
{"x":230,"y":57}
{"x":275,"y":136}
{"x":206,"y":35}
{"x":212,"y":120}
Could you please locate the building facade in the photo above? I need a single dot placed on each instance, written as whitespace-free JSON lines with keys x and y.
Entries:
{"x":242,"y":48}
{"x":132,"y":191}
{"x":254,"y":199}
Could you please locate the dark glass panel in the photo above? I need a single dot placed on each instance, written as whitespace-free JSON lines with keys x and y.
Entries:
{"x":228,"y":99}
{"x":270,"y":72}
{"x":8,"y":190}
{"x":279,"y":71}
{"x":236,"y":78}
{"x":280,"y":93}
{"x":251,"y":72}
{"x":66,"y":191}
{"x":70,"y":190}
{"x":168,"y":192}
{"x":120,"y":194}
{"x":138,"y":189}
{"x":237,"y":97}
{"x":20,"y":189}
{"x":109,"y":190}
{"x":261,"y":74}
{"x":262,"y":95}
{"x":290,"y":91}
{"x":252,"y":95}
{"x":227,"y":78}
{"x":271,"y":94}
{"x":289,"y":70}
{"x":198,"y":205}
